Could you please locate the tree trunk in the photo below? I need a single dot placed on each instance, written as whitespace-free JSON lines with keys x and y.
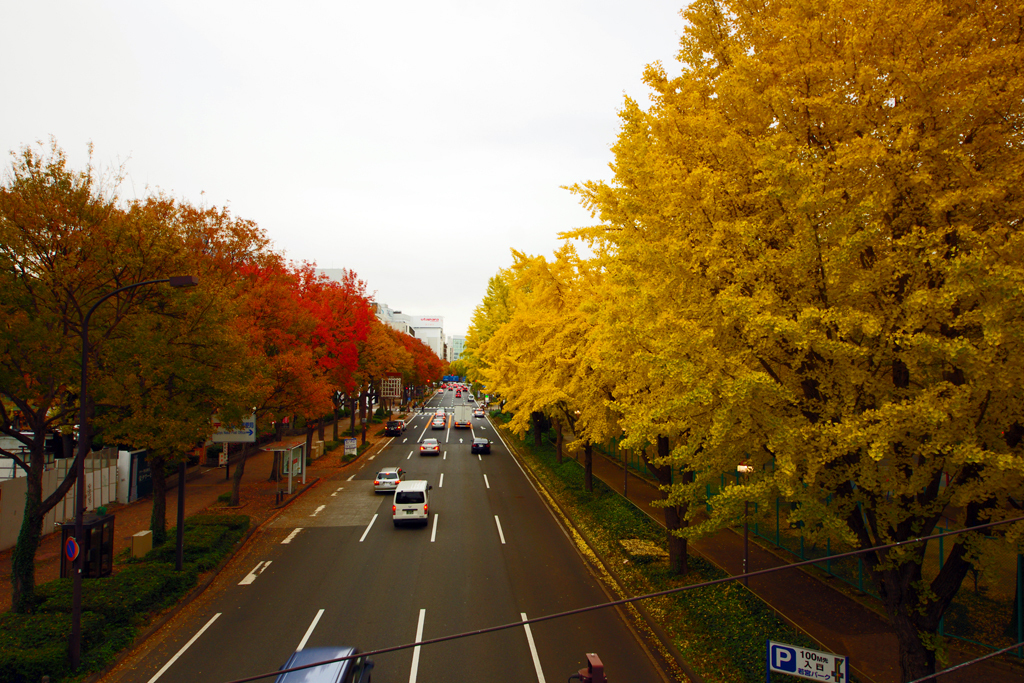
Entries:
{"x":320,"y":429}
{"x":559,"y":441}
{"x":337,"y":418}
{"x":536,"y":430}
{"x":275,"y":467}
{"x":588,"y":466}
{"x":309,"y":440}
{"x":236,"y":478}
{"x":352,"y":416}
{"x":23,"y":568}
{"x":158,"y":519}
{"x":675,"y":515}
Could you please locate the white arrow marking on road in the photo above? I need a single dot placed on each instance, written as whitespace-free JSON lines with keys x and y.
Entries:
{"x":309,"y":631}
{"x":184,"y":647}
{"x":368,"y":528}
{"x":500,"y":533}
{"x":416,"y":650}
{"x":433,"y":533}
{"x":533,"y":649}
{"x":318,"y":511}
{"x":292,"y":535}
{"x":256,"y":571}
{"x":487,"y":482}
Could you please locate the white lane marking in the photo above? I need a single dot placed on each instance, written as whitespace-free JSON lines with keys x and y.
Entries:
{"x":441,"y":482}
{"x":444,"y":456}
{"x":479,"y":457}
{"x":500,"y":533}
{"x":292,"y":535}
{"x":368,"y":528}
{"x":309,"y":631}
{"x":433,"y":533}
{"x":487,"y":482}
{"x":184,"y":647}
{"x":342,"y":488}
{"x":371,"y":457}
{"x":256,"y":571}
{"x":409,"y":457}
{"x":416,"y":650}
{"x":533,"y":650}
{"x":351,"y":478}
{"x":405,"y":439}
{"x":317,"y":511}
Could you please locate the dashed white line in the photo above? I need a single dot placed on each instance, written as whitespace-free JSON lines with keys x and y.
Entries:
{"x":479,"y":457}
{"x":371,"y":457}
{"x":368,"y":528}
{"x":487,"y":483}
{"x":256,"y":571}
{"x":409,"y":457}
{"x":351,"y":478}
{"x":317,"y":511}
{"x":292,"y":535}
{"x":184,"y":647}
{"x":500,"y":532}
{"x":309,"y":631}
{"x":416,"y":650}
{"x":433,"y":533}
{"x":440,"y":482}
{"x":533,"y":650}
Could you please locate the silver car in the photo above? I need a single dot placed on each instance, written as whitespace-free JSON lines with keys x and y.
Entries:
{"x":387,"y":479}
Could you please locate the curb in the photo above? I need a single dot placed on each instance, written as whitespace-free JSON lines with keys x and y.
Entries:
{"x":669,"y":655}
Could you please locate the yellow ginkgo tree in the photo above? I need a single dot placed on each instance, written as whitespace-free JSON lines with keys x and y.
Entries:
{"x":814,"y":249}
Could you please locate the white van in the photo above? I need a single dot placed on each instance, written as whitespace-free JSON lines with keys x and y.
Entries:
{"x":412,"y":503}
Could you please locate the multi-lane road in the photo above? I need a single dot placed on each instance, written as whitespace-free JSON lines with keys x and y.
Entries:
{"x":333,"y":570}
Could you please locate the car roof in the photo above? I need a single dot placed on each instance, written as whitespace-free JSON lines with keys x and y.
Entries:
{"x":412,"y":485}
{"x":327,"y":673}
{"x":389,"y":469}
{"x":430,"y":440}
{"x":480,"y":439}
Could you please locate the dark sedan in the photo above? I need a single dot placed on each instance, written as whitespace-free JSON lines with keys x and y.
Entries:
{"x":480,"y":446}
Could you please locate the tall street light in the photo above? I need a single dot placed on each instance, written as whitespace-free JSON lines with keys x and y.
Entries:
{"x":744,"y":468}
{"x":84,"y":442}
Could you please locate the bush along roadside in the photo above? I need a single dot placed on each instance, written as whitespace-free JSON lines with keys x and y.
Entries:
{"x":720,"y":630}
{"x":114,"y":608}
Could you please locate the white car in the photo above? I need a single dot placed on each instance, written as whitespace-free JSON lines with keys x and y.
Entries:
{"x":438,"y":423}
{"x":412,"y":503}
{"x":388,"y":479}
{"x":430,"y":447}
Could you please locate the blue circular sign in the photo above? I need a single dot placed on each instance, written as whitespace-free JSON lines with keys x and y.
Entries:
{"x":71,"y":549}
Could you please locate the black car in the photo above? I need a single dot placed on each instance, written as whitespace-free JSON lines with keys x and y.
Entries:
{"x":480,"y":446}
{"x":393,"y":428}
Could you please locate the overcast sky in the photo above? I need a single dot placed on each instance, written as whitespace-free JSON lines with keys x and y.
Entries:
{"x":415,"y":143}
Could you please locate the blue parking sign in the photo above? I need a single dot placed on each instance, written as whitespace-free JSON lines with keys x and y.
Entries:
{"x":782,"y":657}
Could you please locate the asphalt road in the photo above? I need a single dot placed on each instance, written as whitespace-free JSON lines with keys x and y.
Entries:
{"x":333,"y":570}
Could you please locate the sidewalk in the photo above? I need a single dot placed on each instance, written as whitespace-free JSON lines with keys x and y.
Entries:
{"x":203,"y":486}
{"x":837,"y":622}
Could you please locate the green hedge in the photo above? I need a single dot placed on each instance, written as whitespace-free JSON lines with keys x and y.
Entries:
{"x":36,"y":644}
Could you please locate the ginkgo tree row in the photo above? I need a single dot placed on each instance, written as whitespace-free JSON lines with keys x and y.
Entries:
{"x":258,"y":335}
{"x":810,"y":261}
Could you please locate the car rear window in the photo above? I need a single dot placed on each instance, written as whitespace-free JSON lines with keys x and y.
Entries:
{"x":408,"y":497}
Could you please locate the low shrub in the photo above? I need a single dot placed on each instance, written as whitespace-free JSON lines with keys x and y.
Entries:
{"x":34,"y":645}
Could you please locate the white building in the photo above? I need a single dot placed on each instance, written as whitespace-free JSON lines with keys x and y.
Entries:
{"x":455,"y":345}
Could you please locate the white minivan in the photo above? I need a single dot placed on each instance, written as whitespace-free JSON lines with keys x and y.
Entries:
{"x":412,"y":502}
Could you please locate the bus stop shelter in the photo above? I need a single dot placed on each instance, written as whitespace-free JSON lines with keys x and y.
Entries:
{"x":293,"y":458}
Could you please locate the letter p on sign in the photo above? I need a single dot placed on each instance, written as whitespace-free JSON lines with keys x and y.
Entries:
{"x":783,"y":658}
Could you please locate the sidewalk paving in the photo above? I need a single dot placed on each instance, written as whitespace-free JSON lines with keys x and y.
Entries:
{"x":837,"y":622}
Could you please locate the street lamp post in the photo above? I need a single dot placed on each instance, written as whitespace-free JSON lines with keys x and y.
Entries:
{"x":84,"y":442}
{"x":744,"y":468}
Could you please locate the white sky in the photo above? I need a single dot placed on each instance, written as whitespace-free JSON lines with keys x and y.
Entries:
{"x":415,"y":143}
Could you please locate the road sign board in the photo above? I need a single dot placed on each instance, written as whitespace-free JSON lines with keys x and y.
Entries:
{"x":351,"y":448}
{"x":246,"y":433}
{"x":391,"y":387}
{"x":71,"y":549}
{"x":798,"y":661}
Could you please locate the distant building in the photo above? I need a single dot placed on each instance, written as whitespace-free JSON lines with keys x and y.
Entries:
{"x":455,"y":345}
